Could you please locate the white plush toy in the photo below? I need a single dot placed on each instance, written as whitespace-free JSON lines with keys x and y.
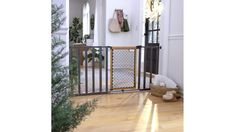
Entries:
{"x":169,"y":96}
{"x":164,"y":81}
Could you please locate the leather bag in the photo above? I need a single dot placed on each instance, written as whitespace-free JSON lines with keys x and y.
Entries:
{"x":114,"y":26}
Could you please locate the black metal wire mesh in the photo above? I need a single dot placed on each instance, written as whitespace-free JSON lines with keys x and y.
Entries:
{"x":123,"y":68}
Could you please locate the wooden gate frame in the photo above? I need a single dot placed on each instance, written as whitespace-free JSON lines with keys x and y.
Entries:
{"x":111,"y":65}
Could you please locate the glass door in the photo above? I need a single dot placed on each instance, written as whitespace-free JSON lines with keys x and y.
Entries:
{"x":152,"y":41}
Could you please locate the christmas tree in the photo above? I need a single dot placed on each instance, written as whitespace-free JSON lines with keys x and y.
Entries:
{"x":65,"y":116}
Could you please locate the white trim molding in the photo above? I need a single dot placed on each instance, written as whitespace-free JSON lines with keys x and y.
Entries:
{"x":175,"y":36}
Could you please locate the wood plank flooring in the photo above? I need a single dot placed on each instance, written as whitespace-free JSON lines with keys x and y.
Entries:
{"x":132,"y":112}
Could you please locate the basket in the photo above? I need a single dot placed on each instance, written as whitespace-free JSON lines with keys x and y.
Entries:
{"x":158,"y":91}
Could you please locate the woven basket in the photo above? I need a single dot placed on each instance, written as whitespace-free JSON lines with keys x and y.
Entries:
{"x":158,"y":91}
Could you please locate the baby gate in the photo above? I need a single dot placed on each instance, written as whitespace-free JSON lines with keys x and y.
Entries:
{"x":106,"y":68}
{"x":123,"y":68}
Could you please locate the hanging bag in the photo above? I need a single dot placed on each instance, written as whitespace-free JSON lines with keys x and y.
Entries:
{"x":125,"y":27}
{"x":114,"y":26}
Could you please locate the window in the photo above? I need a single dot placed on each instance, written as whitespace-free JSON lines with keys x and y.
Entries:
{"x":86,"y":19}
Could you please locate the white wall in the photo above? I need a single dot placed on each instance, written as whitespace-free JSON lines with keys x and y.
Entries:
{"x":75,"y":10}
{"x":100,"y":23}
{"x":171,"y":39}
{"x":131,"y":8}
{"x":176,"y":17}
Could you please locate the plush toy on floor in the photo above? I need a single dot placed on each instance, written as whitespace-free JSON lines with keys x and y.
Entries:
{"x":171,"y":96}
{"x":165,"y":88}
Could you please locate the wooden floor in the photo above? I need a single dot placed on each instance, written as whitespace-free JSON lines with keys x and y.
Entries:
{"x":132,"y":112}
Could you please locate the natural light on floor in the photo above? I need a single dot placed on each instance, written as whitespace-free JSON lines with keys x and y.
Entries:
{"x":149,"y":115}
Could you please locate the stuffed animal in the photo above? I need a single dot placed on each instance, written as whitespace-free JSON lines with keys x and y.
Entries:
{"x":164,"y":81}
{"x":171,"y":96}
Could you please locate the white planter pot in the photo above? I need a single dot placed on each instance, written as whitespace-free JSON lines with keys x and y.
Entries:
{"x":89,"y":42}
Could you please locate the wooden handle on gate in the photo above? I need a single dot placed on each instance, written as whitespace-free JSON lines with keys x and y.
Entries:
{"x":123,"y":47}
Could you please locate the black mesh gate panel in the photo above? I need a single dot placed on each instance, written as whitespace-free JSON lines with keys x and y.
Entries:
{"x":123,"y":67}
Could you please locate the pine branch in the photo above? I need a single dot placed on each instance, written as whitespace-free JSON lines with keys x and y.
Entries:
{"x":56,"y":18}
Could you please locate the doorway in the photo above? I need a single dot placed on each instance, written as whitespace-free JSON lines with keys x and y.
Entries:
{"x":152,"y":30}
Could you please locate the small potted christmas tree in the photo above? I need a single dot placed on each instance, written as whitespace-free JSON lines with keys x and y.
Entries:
{"x":75,"y":31}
